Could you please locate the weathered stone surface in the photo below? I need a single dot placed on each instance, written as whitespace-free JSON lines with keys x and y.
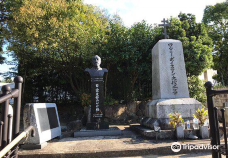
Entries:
{"x":115,"y":112}
{"x":63,"y":128}
{"x":204,"y":133}
{"x":112,"y":131}
{"x":163,"y":134}
{"x":193,"y":137}
{"x":169,"y":78}
{"x":162,"y":107}
{"x":157,"y":111}
{"x":74,"y":125}
{"x":44,"y":118}
{"x":225,"y":105}
{"x":132,"y":107}
{"x":169,"y":85}
{"x":179,"y":132}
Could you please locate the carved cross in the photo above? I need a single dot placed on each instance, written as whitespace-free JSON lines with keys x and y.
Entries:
{"x":165,"y":24}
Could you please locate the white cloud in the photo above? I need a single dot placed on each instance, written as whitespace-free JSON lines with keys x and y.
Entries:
{"x":153,"y":11}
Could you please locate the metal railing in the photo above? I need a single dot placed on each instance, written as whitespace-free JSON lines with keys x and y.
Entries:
{"x":9,"y":125}
{"x":214,"y":123}
{"x":11,"y":149}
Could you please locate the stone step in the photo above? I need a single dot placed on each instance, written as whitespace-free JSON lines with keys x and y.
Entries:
{"x":163,"y":134}
{"x":126,"y":145}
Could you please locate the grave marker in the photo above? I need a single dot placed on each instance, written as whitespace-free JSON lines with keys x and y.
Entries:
{"x":44,"y":117}
{"x":169,"y":86}
{"x":97,"y":95}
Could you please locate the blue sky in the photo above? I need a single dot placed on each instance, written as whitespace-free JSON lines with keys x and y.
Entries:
{"x":153,"y":11}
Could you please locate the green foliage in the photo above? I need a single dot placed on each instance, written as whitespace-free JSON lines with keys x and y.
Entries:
{"x":197,"y":89}
{"x":127,"y":54}
{"x":85,"y":99}
{"x":7,"y":80}
{"x":216,"y":19}
{"x":54,"y":40}
{"x":3,"y":19}
{"x":220,"y":86}
{"x":175,"y":119}
{"x":197,"y":45}
{"x":110,"y":101}
{"x":201,"y":115}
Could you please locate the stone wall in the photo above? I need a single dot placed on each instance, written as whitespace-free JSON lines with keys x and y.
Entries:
{"x":125,"y":113}
{"x":220,"y":99}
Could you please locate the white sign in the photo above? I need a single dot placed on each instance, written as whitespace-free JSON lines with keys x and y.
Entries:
{"x":44,"y":117}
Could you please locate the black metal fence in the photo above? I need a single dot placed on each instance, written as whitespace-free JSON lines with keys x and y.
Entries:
{"x":215,"y":129}
{"x":9,"y":125}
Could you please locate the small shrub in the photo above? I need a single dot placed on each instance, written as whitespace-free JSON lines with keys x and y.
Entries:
{"x":197,"y":89}
{"x":176,"y":119}
{"x":201,"y":115}
{"x":85,"y":99}
{"x":110,"y":101}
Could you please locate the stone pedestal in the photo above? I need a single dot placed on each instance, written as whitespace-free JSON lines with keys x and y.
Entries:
{"x":179,"y":132}
{"x":112,"y":131}
{"x":157,"y":111}
{"x":169,"y":85}
{"x":204,"y":132}
{"x":97,"y":108}
{"x":44,"y":118}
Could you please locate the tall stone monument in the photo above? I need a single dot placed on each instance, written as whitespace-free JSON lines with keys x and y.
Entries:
{"x":97,"y":95}
{"x":169,"y":85}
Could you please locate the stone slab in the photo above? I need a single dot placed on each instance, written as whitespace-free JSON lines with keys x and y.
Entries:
{"x":44,"y":118}
{"x":164,"y":134}
{"x":162,"y":107}
{"x":33,"y":146}
{"x":112,"y":131}
{"x":169,"y":78}
{"x":112,"y":146}
{"x":97,"y":125}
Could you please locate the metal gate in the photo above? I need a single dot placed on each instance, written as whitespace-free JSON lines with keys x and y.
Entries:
{"x":215,"y":129}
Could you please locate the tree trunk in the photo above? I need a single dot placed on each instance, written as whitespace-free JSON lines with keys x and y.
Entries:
{"x":106,"y":79}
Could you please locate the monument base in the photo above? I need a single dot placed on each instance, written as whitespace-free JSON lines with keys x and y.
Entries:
{"x":112,"y":131}
{"x":164,"y":134}
{"x":157,"y":111}
{"x":97,"y":125}
{"x":33,"y":146}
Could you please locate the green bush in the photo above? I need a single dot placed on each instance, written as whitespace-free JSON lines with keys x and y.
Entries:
{"x":197,"y":89}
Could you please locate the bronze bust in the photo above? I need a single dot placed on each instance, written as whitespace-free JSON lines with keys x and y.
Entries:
{"x":96,"y":70}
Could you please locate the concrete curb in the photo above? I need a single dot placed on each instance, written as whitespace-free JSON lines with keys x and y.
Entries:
{"x":122,"y":153}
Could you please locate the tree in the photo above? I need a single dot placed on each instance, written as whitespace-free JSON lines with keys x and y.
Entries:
{"x":2,"y":25}
{"x":197,"y":45}
{"x":8,"y":80}
{"x":216,"y":19}
{"x":127,"y":54}
{"x":58,"y":35}
{"x":197,"y":48}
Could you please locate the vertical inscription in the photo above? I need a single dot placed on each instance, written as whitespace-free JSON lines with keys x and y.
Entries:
{"x":172,"y":68}
{"x":97,"y":98}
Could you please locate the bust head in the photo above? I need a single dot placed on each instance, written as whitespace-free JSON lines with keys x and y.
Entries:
{"x":96,"y":61}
